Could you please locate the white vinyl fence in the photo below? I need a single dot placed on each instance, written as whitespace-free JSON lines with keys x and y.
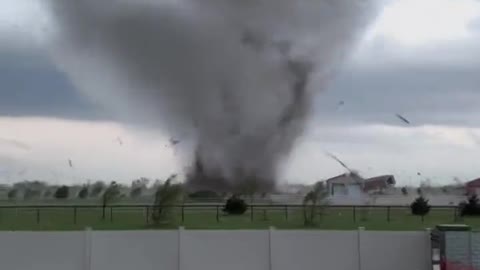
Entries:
{"x":215,"y":250}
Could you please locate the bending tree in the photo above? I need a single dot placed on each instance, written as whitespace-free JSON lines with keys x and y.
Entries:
{"x":97,"y":188}
{"x":165,"y":197}
{"x":83,"y":194}
{"x":313,"y":201}
{"x":12,"y":194}
{"x":110,"y":194}
{"x":138,"y":187}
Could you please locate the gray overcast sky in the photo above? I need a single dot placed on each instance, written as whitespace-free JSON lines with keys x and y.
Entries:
{"x":422,"y":67}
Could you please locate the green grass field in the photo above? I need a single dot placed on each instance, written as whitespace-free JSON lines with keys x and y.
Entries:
{"x":118,"y":218}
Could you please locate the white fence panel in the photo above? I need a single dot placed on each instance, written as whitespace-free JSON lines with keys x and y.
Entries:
{"x":306,"y":250}
{"x":42,"y":250}
{"x":134,"y":250}
{"x":215,"y":250}
{"x":395,"y":250}
{"x":225,"y":250}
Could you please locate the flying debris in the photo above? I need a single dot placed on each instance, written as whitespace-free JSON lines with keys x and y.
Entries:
{"x":174,"y":142}
{"x":22,"y":172}
{"x":119,"y":140}
{"x":253,"y":40}
{"x":172,"y":177}
{"x":15,"y":143}
{"x":405,"y":120}
{"x":418,"y":173}
{"x":352,"y":172}
{"x":339,"y":161}
{"x":340,"y":104}
{"x":70,"y":163}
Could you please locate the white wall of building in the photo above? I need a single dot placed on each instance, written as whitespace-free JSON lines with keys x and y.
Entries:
{"x":214,"y":250}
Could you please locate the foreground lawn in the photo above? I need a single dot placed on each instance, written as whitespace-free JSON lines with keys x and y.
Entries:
{"x":118,"y":218}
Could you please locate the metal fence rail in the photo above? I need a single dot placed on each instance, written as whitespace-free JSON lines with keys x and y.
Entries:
{"x":18,"y":215}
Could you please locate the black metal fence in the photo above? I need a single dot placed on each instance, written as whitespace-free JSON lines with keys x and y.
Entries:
{"x":85,"y":214}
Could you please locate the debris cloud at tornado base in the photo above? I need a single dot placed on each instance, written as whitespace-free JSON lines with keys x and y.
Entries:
{"x":235,"y":75}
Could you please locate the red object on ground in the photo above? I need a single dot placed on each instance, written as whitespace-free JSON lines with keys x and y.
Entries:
{"x":456,"y":266}
{"x":472,"y":187}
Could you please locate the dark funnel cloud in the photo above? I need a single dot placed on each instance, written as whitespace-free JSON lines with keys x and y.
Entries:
{"x":237,"y":76}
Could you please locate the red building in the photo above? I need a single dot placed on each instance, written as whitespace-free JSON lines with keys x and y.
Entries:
{"x":473,"y":187}
{"x":379,"y":183}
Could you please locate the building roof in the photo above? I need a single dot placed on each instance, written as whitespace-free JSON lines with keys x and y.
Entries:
{"x":346,"y":178}
{"x":379,"y":182}
{"x":474,"y":182}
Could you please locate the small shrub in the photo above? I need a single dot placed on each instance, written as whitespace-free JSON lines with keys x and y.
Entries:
{"x":111,"y":194}
{"x":420,"y":206}
{"x":235,"y":206}
{"x":97,"y":189}
{"x":83,"y":193}
{"x":166,"y":195}
{"x":62,"y":192}
{"x":471,"y":207}
{"x":404,"y":191}
{"x":12,"y":194}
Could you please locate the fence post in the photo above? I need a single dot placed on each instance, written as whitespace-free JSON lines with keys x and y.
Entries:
{"x":359,"y":246}
{"x":428,"y":251}
{"x":183,"y":213}
{"x":147,"y":216}
{"x":88,"y":249}
{"x":470,"y":259}
{"x":218,"y":214}
{"x":286,"y":212}
{"x":251,"y":213}
{"x":75,"y":215}
{"x":354,"y":214}
{"x":270,"y":253}
{"x":38,"y":215}
{"x":111,"y":213}
{"x":388,"y":214}
{"x":179,"y":262}
{"x":455,"y":214}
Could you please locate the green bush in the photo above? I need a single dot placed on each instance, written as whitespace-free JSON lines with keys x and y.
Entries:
{"x":420,"y":207}
{"x":83,"y":193}
{"x":12,"y":194}
{"x":235,"y":206}
{"x":62,"y":192}
{"x":97,"y":189}
{"x":471,"y":207}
